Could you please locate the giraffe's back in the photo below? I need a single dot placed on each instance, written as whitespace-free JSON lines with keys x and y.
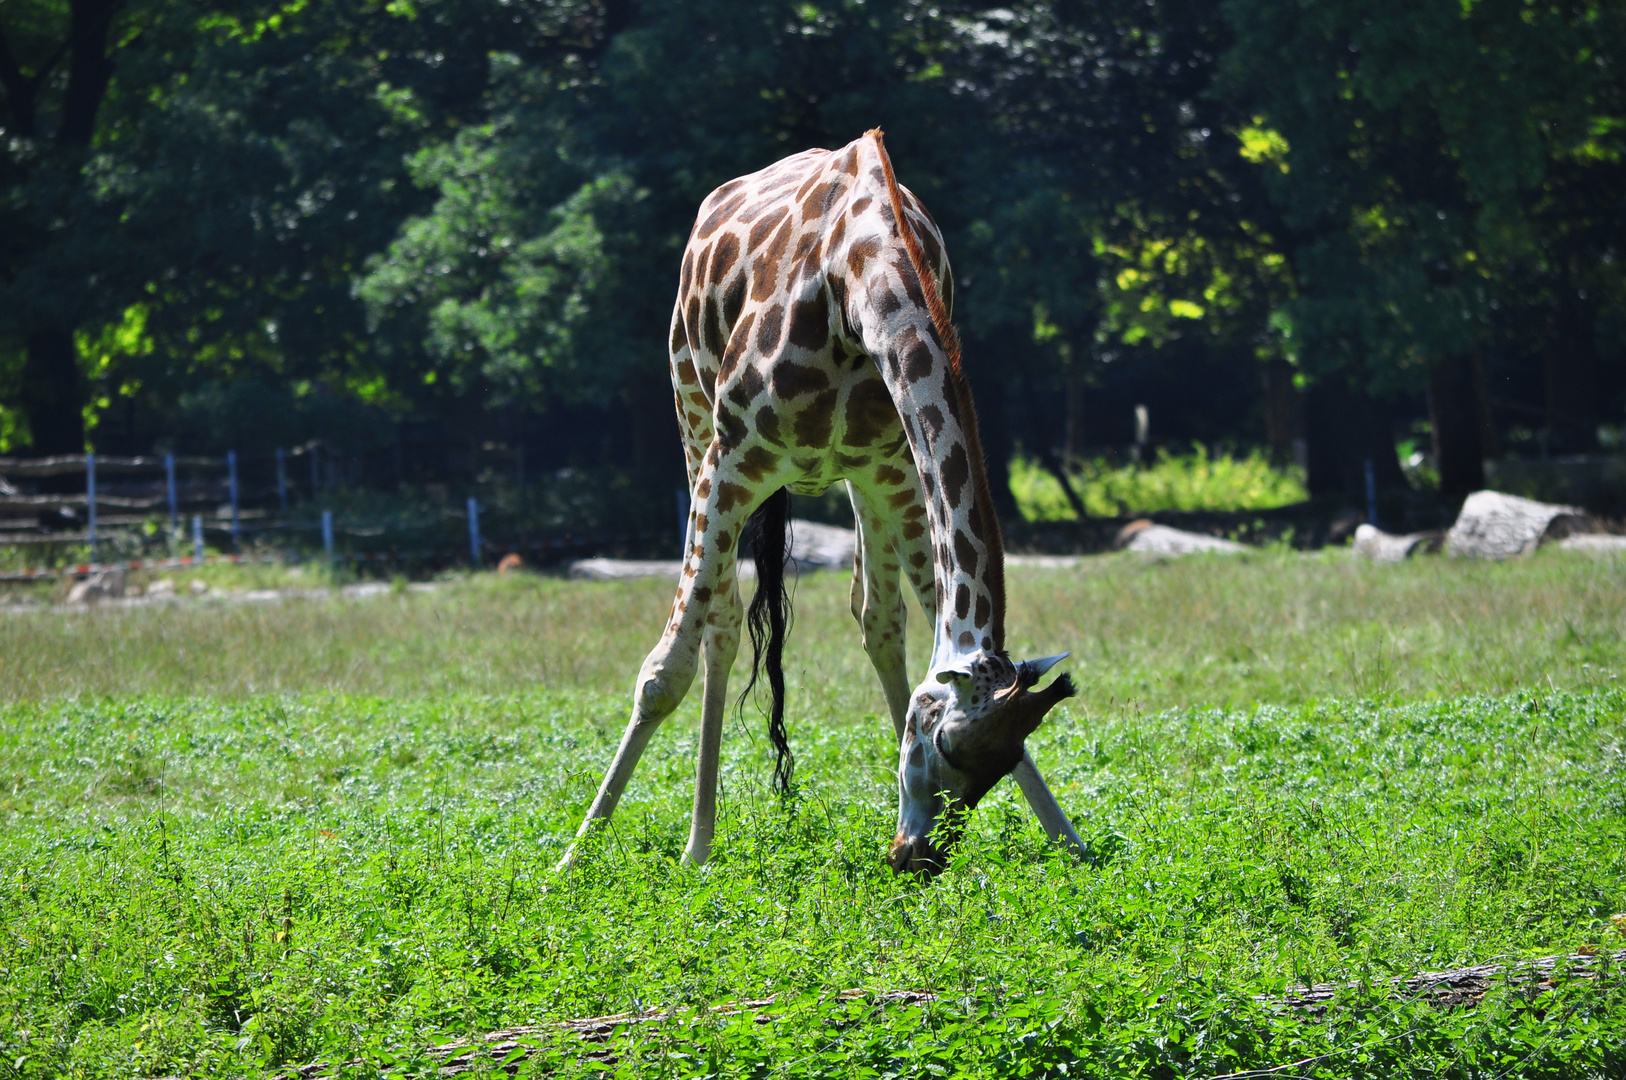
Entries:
{"x":765,"y":356}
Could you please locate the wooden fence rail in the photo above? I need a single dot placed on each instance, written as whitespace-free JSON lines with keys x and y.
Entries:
{"x":65,"y":464}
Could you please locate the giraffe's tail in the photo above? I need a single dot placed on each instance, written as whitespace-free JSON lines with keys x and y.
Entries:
{"x":768,"y":619}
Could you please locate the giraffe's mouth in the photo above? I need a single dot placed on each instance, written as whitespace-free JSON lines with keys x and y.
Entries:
{"x":916,"y":855}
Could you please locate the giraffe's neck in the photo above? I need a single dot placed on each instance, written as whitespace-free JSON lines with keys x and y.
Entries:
{"x":907,"y":329}
{"x":968,"y":552}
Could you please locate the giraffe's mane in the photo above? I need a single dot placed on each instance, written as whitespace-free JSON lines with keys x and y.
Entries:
{"x":991,"y":536}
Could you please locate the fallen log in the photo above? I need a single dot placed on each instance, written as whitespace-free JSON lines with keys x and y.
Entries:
{"x":511,"y":1046}
{"x":1463,"y":986}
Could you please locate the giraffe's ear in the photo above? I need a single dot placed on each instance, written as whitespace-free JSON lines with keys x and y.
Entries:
{"x":1034,"y":707}
{"x":948,"y":675}
{"x":1030,"y":672}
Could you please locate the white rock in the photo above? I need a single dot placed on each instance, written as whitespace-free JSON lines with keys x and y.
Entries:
{"x":197,"y":588}
{"x":1379,"y":546}
{"x":1047,"y":562}
{"x":102,"y":585}
{"x":1598,"y":543}
{"x":1150,"y":539}
{"x":625,"y":569}
{"x":821,"y":547}
{"x":1493,"y":525}
{"x":161,"y":588}
{"x":813,"y":547}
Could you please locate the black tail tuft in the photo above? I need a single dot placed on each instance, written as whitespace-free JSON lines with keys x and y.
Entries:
{"x":768,"y":619}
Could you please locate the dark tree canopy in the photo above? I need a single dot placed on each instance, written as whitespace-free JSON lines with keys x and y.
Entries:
{"x":1268,"y":218}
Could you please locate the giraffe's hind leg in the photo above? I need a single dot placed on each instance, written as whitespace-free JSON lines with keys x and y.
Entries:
{"x":722,"y":644}
{"x":721,"y":506}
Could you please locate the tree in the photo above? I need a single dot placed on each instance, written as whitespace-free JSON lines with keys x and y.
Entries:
{"x":1415,"y":154}
{"x":239,"y":164}
{"x":56,"y":65}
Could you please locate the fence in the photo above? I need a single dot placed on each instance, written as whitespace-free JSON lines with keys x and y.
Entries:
{"x":148,"y":489}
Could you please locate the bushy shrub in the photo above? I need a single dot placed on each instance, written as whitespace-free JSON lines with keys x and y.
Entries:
{"x":1193,"y":481}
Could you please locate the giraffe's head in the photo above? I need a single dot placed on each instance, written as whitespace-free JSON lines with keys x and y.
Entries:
{"x":966,"y":729}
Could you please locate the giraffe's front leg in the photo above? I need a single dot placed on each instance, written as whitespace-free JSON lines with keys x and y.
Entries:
{"x":877,"y":601}
{"x":722,"y":644}
{"x":721,"y":506}
{"x":1052,"y":818}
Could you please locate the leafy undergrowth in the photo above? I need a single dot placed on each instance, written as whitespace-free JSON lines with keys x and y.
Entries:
{"x":218,"y":888}
{"x":1193,"y":481}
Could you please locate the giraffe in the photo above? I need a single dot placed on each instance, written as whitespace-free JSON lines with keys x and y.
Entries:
{"x":810,"y":344}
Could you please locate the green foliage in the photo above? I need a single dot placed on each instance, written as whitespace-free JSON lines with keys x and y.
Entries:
{"x":437,"y":207}
{"x":1191,"y":481}
{"x":1416,"y":182}
{"x":240,"y":835}
{"x":510,"y":280}
{"x":209,"y":888}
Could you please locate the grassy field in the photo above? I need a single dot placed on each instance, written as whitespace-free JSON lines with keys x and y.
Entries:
{"x":239,"y":836}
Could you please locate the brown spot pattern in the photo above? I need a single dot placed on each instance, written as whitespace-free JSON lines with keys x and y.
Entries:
{"x":730,"y":495}
{"x":728,"y":253}
{"x":956,"y":472}
{"x":794,"y":380}
{"x":870,"y":413}
{"x":810,"y":322}
{"x":814,"y":423}
{"x":769,"y":328}
{"x":733,"y":301}
{"x":965,"y":552}
{"x":760,"y":231}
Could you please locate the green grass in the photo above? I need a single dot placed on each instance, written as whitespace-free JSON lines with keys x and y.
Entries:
{"x":1146,"y":635}
{"x":234,"y":837}
{"x":1193,"y":481}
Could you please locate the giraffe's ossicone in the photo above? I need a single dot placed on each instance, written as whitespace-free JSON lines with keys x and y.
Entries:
{"x":810,"y":345}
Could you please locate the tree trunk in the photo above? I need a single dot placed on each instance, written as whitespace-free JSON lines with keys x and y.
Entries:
{"x":988,"y":391}
{"x":52,"y":395}
{"x":1456,"y":418}
{"x":1284,"y":410}
{"x":1344,"y":429}
{"x":1073,"y":435}
{"x":90,"y":69}
{"x":1573,"y":377}
{"x":1046,"y":451}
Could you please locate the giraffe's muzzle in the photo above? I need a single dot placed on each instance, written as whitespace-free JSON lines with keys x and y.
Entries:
{"x":916,"y":855}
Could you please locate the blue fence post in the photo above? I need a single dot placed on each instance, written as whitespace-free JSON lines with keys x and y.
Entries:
{"x":1371,"y":495}
{"x":282,"y":481}
{"x":327,"y":535}
{"x":197,"y":538}
{"x":231,"y":480}
{"x":90,"y":500}
{"x":174,"y":506}
{"x":474,"y":532}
